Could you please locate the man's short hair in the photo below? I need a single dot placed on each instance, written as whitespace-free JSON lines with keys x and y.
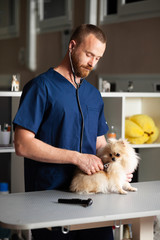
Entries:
{"x":84,"y":30}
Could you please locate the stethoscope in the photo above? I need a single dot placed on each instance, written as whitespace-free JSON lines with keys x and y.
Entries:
{"x":78,"y":101}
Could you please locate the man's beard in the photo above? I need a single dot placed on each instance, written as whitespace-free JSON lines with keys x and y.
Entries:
{"x":81,"y":71}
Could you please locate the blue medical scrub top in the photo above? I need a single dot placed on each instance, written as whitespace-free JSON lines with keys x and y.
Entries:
{"x":49,"y":108}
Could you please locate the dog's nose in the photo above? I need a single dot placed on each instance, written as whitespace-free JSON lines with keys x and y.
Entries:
{"x":113,"y":159}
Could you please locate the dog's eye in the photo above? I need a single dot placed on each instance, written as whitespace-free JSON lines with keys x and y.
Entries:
{"x":117,"y":155}
{"x":110,"y":154}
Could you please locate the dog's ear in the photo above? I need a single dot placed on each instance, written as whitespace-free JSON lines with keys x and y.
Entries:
{"x":111,"y":140}
{"x":123,"y":142}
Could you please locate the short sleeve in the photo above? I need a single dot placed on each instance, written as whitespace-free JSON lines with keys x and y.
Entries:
{"x":32,"y":106}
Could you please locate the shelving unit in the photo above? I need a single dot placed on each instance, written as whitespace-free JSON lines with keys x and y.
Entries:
{"x":9,"y":148}
{"x":118,"y":106}
{"x":16,"y":166}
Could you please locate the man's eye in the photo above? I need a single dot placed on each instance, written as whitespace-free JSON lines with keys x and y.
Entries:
{"x":117,"y":155}
{"x":88,"y":54}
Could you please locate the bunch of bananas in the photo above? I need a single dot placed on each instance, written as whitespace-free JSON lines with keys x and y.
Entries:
{"x":140,"y":129}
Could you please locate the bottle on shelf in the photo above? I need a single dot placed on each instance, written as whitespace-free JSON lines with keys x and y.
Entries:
{"x":111,"y":133}
{"x":5,"y":127}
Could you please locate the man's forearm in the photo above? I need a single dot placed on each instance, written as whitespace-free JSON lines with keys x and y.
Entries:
{"x":27,"y":145}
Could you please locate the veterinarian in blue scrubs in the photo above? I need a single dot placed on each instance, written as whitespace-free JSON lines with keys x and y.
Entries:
{"x":60,"y":125}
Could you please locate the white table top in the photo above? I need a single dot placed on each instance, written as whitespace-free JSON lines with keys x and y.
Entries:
{"x":41,"y":209}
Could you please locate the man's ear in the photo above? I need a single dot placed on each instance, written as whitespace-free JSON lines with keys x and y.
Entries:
{"x":72,"y":45}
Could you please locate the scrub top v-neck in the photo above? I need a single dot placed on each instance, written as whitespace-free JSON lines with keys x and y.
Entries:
{"x":49,"y":108}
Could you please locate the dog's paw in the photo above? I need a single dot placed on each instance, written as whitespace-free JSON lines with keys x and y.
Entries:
{"x":121,"y":191}
{"x":132,"y":189}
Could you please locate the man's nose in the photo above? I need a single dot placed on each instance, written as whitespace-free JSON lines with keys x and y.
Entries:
{"x":92,"y":62}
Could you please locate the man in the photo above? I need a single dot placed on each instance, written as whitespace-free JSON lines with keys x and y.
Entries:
{"x":60,"y":124}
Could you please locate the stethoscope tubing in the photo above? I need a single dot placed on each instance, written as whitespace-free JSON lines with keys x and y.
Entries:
{"x":78,"y":101}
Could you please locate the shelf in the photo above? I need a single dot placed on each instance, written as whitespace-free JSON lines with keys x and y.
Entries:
{"x":130,"y":94}
{"x":153,"y":145}
{"x":120,"y":105}
{"x":10,"y":94}
{"x":7,"y":148}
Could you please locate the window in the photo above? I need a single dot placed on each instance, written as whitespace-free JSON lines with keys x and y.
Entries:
{"x":9,"y":13}
{"x":138,"y":6}
{"x":54,"y":14}
{"x":112,"y":7}
{"x":123,"y":10}
{"x":132,"y":1}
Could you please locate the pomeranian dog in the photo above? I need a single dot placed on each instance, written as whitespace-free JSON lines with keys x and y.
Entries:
{"x":119,"y":158}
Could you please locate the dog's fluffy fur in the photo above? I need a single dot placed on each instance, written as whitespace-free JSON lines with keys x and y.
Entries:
{"x":122,"y":159}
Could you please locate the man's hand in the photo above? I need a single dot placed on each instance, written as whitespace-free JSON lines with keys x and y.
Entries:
{"x":89,"y":163}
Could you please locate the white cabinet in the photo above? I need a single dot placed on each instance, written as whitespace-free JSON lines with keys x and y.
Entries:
{"x":16,"y":166}
{"x":14,"y":106}
{"x":118,"y":106}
